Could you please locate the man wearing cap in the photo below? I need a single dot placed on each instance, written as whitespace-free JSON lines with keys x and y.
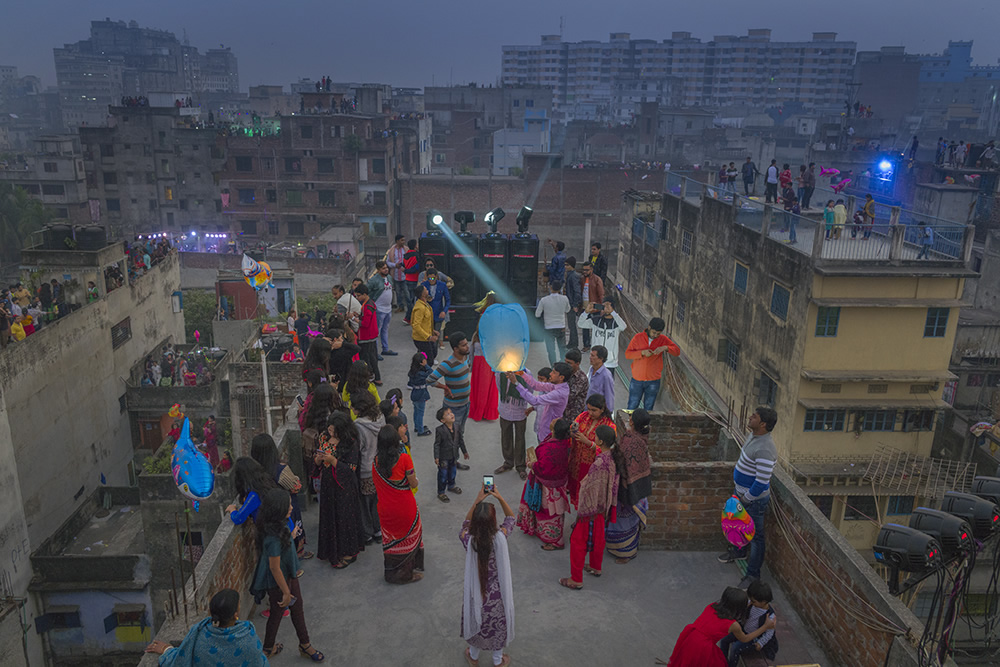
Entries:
{"x":646,"y":353}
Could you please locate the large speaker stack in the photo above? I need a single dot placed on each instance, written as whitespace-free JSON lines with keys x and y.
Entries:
{"x":524,"y":269}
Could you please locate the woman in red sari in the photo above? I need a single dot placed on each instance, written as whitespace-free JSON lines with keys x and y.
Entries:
{"x":544,"y":500}
{"x":583,"y":451}
{"x":402,"y":532}
{"x":698,"y":644}
{"x":485,"y":397}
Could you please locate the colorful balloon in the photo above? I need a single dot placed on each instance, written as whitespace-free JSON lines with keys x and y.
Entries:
{"x":737,"y":525}
{"x":824,"y":171}
{"x":503,"y":333}
{"x":257,"y":274}
{"x":839,"y":187}
{"x":192,"y":471}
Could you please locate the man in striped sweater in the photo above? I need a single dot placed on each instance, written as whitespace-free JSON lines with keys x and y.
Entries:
{"x":752,"y":479}
{"x":454,"y":376}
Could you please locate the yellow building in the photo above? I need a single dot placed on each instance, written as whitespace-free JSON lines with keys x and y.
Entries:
{"x":848,"y":338}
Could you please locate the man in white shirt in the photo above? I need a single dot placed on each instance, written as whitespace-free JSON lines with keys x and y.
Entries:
{"x":347,"y":305}
{"x":605,"y":325}
{"x":380,"y":290}
{"x":552,"y":309}
{"x":771,"y":183}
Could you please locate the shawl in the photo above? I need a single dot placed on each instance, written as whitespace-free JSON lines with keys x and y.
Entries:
{"x":579,"y":387}
{"x":599,"y":488}
{"x":472,"y":596}
{"x":207,"y":644}
{"x":636,"y":480}
{"x":552,"y":467}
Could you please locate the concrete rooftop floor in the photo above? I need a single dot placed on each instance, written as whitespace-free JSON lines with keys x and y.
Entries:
{"x":632,"y":615}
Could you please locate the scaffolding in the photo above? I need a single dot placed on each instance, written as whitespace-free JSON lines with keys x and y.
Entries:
{"x":909,"y":474}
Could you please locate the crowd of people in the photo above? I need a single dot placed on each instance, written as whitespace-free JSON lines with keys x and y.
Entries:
{"x":962,"y":155}
{"x":178,"y":369}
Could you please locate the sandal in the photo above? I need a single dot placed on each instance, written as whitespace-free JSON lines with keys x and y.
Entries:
{"x":590,"y":570}
{"x":315,"y":656}
{"x":468,"y":658}
{"x":298,"y":575}
{"x":417,"y":576}
{"x":552,"y":547}
{"x":306,"y":555}
{"x":569,"y":583}
{"x":275,"y":650}
{"x":341,"y":564}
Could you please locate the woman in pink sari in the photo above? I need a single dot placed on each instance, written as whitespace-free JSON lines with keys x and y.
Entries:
{"x":545,"y":498}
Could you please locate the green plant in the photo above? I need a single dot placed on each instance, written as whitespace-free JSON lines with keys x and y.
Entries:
{"x":352,"y":143}
{"x":199,"y":311}
{"x":320,"y":301}
{"x":466,"y":170}
{"x":70,"y":243}
{"x":516,"y":171}
{"x":20,"y":216}
{"x":158,"y":463}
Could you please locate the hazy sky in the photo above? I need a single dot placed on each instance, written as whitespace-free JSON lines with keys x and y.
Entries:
{"x":416,"y":42}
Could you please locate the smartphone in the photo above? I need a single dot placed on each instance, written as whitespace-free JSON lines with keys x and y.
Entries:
{"x":488,"y":483}
{"x":298,"y":398}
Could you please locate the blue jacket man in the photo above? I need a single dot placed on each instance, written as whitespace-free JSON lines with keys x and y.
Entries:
{"x":440,"y":296}
{"x":557,"y":266}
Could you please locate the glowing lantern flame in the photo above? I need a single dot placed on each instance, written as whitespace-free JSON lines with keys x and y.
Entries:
{"x":503,"y":332}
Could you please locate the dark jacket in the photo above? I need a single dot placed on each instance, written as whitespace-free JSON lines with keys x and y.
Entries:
{"x":557,"y":267}
{"x":574,"y":288}
{"x":441,"y":301}
{"x":448,"y":443}
{"x":601,"y":266}
{"x":411,"y":266}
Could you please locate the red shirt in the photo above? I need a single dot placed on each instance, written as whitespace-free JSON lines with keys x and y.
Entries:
{"x":368,"y":329}
{"x":649,"y":368}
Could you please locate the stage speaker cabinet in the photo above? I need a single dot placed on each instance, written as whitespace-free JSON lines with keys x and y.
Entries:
{"x":434,"y":246}
{"x":494,"y":250}
{"x":524,"y":268}
{"x":466,"y":289}
{"x":461,"y":318}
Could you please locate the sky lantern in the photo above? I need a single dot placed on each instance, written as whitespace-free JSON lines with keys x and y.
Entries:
{"x":503,"y":332}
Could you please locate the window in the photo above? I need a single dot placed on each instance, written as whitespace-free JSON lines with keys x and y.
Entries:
{"x":335,"y":131}
{"x":378,"y":165}
{"x":168,"y":193}
{"x":248,"y":227}
{"x":244,"y":164}
{"x":107,"y":150}
{"x":827,"y":320}
{"x":53,"y":189}
{"x":740,"y":277}
{"x":687,"y":241}
{"x":378,"y":198}
{"x":860,"y":508}
{"x":517,"y":103}
{"x":247,"y":195}
{"x":51,"y":167}
{"x":829,"y":388}
{"x":327,"y":197}
{"x":824,"y":504}
{"x":58,"y":618}
{"x":114,"y":204}
{"x":150,"y":178}
{"x":111,"y":178}
{"x":729,"y":353}
{"x":918,"y":420}
{"x":439,"y":158}
{"x":293,"y":197}
{"x":324,"y":165}
{"x":937,"y":322}
{"x":272,"y":227}
{"x":271,"y":196}
{"x":306,"y":131}
{"x":922,"y":388}
{"x":165,"y":166}
{"x":824,"y":420}
{"x":974,"y":380}
{"x":779,"y":301}
{"x":900,"y":505}
{"x":293,"y":165}
{"x":31,"y":188}
{"x":681,"y":310}
{"x":296,"y":229}
{"x":170,"y":219}
{"x":121,"y":333}
{"x":766,"y":390}
{"x":877,"y":420}
{"x":184,"y":204}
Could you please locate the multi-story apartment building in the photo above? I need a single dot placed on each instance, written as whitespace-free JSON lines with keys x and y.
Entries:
{"x":848,"y":339}
{"x":152,"y":169}
{"x":725,"y":71}
{"x":124,"y":59}
{"x":949,"y":80}
{"x":54,"y":174}
{"x":316,"y":177}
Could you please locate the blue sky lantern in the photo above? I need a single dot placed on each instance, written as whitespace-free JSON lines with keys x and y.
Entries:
{"x":192,"y":471}
{"x":503,"y":332}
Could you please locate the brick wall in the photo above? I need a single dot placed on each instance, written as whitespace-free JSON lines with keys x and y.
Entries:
{"x":233,"y":566}
{"x":685,"y":506}
{"x":676,"y":437}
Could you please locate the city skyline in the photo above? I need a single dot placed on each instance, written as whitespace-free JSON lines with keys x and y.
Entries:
{"x":401,"y":59}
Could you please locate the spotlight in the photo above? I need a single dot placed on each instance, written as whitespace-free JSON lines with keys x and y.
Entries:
{"x":523,"y":216}
{"x":464,"y":219}
{"x":988,"y":488}
{"x":885,"y":165}
{"x":952,"y":533}
{"x":906,"y":549}
{"x":493,"y":217}
{"x":982,"y":515}
{"x":434,"y":219}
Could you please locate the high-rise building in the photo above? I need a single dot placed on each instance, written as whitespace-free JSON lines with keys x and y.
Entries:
{"x":122,"y":59}
{"x":727,"y":70}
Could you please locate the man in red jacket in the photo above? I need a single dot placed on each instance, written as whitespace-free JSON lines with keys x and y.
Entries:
{"x":646,"y":352}
{"x":368,"y":331}
{"x":411,"y":271}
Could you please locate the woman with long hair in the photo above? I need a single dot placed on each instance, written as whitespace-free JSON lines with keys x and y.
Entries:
{"x":369,"y":422}
{"x":276,"y":573}
{"x":343,"y":351}
{"x":584,"y":440}
{"x":545,"y":498}
{"x":358,"y":381}
{"x":697,"y":645}
{"x":632,"y":461}
{"x":318,"y":356}
{"x":221,"y":638}
{"x":488,"y":594}
{"x":265,"y":452}
{"x":251,"y":482}
{"x":338,"y":456}
{"x":402,"y":532}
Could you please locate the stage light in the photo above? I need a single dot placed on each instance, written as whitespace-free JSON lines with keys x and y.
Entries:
{"x":523,"y":216}
{"x":493,"y":217}
{"x":885,"y":165}
{"x":464,"y":219}
{"x":981,"y":514}
{"x":988,"y":488}
{"x":906,"y":549}
{"x":434,"y":219}
{"x":952,"y":533}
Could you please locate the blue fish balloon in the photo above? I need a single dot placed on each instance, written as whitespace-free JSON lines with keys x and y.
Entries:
{"x":193,"y":473}
{"x":503,"y":333}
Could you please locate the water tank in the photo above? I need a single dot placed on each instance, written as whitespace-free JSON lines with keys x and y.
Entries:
{"x":91,"y":237}
{"x":55,"y":237}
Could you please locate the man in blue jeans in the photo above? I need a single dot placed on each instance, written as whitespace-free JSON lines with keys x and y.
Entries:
{"x":752,"y":482}
{"x":380,"y":291}
{"x":645,"y":351}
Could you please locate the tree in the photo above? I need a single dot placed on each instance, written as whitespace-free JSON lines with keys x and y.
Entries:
{"x":20,"y":215}
{"x":200,"y":309}
{"x":352,"y":143}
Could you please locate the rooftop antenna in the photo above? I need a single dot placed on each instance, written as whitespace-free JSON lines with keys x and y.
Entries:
{"x":186,"y":42}
{"x":561,"y":24}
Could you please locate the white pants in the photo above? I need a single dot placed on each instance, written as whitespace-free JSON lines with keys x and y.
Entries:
{"x":497,"y":655}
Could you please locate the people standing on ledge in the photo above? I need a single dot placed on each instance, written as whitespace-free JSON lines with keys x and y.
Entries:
{"x":645,"y":350}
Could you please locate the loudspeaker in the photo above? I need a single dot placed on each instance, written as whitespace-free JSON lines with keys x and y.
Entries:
{"x":493,"y":250}
{"x":435,"y":246}
{"x":461,"y":318}
{"x":466,"y":288}
{"x":523,"y":278}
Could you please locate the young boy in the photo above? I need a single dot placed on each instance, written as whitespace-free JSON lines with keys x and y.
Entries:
{"x":448,"y":441}
{"x":760,"y":609}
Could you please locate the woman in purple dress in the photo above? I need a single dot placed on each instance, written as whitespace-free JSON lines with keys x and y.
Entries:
{"x":488,"y":595}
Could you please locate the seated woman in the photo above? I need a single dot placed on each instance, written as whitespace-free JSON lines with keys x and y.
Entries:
{"x":545,"y":498}
{"x":222,"y":639}
{"x":697,"y":645}
{"x":402,"y":532}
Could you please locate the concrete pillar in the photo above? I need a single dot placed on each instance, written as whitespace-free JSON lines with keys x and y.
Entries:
{"x":819,"y":235}
{"x":587,"y":230}
{"x":967,"y":242}
{"x":896,"y":235}
{"x":765,"y":223}
{"x":894,"y":215}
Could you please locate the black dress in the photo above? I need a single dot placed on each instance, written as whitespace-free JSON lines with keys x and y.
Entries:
{"x":339,"y":534}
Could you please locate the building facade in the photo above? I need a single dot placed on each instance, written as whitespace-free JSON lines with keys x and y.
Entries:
{"x":54,"y":175}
